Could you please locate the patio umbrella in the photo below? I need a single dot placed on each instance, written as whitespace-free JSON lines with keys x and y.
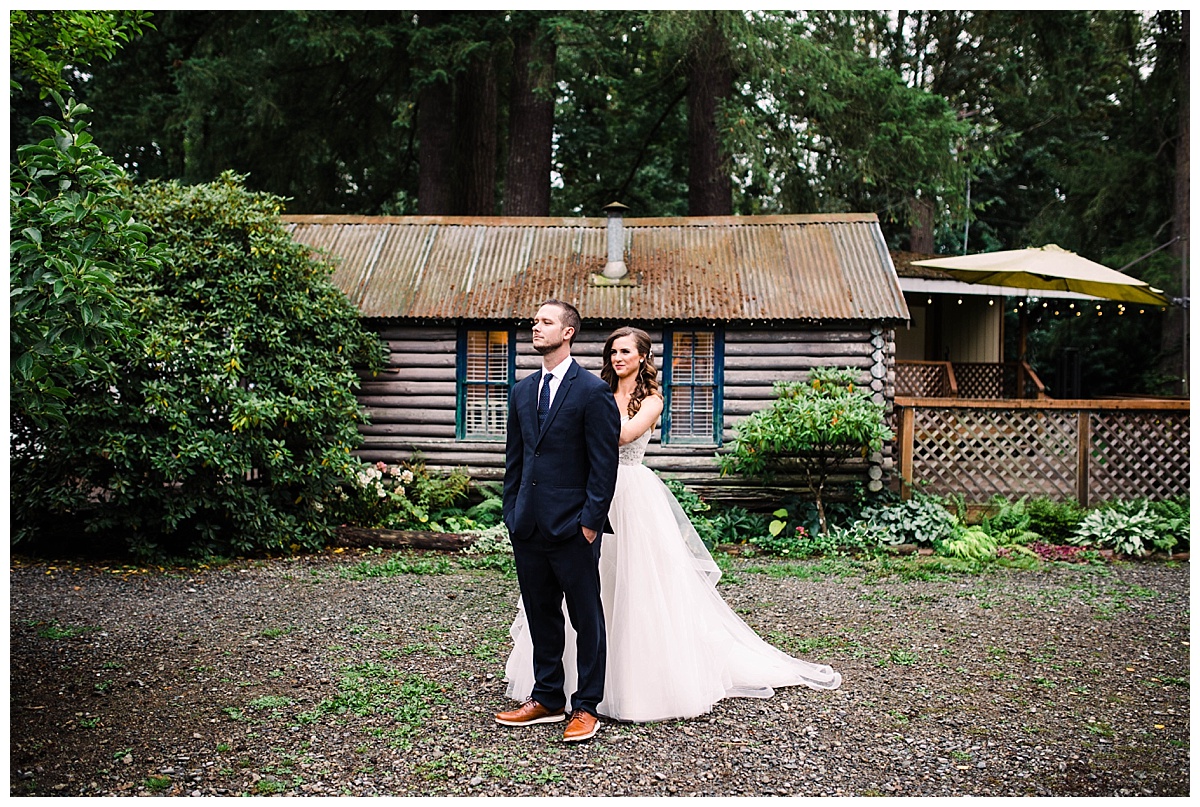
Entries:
{"x":1048,"y":268}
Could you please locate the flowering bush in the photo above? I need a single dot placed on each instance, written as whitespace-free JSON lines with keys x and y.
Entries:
{"x":403,"y":497}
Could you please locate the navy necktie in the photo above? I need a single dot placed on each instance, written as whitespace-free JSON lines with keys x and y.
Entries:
{"x":544,"y":401}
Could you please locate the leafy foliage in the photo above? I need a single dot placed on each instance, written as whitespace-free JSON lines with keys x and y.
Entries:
{"x":1125,"y":527}
{"x":43,"y":44}
{"x":785,"y":541}
{"x":814,"y":426}
{"x":972,"y":543}
{"x":406,"y":496}
{"x":919,"y":520}
{"x":232,"y":418}
{"x":70,"y":240}
{"x":1055,"y":521}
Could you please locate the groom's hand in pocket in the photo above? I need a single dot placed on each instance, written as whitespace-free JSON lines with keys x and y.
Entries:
{"x":589,"y":534}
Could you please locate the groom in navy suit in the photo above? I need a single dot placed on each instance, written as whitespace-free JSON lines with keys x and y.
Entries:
{"x":559,"y":474}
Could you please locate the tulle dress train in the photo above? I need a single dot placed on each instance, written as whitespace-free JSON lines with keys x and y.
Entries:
{"x":675,"y":647}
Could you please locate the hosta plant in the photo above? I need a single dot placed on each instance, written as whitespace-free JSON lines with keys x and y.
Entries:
{"x":1121,"y":529}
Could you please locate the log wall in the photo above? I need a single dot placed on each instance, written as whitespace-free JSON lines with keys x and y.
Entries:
{"x":412,"y":403}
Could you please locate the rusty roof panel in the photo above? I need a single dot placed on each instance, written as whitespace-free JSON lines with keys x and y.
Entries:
{"x":828,"y":267}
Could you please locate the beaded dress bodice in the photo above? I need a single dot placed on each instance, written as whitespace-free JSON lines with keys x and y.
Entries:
{"x":632,"y":453}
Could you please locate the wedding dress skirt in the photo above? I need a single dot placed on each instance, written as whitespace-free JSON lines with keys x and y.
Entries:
{"x":675,"y":647}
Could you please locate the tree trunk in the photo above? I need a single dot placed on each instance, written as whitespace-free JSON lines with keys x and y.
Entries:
{"x":1175,"y":351}
{"x":475,"y":143}
{"x":710,"y":81}
{"x":531,"y":126}
{"x":921,"y":231}
{"x":435,"y":140}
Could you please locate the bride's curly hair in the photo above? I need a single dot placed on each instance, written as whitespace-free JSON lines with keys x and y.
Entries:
{"x":647,"y":383}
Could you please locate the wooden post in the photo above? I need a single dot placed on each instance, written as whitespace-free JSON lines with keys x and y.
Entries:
{"x":1085,"y":452}
{"x":904,"y":444}
{"x":1022,"y":336}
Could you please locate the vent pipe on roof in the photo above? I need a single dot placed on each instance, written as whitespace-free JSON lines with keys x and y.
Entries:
{"x":615,"y":268}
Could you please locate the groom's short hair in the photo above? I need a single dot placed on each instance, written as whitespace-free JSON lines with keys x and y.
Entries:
{"x":570,"y":317}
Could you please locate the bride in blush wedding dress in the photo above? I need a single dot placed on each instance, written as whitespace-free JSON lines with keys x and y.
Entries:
{"x":675,"y":647}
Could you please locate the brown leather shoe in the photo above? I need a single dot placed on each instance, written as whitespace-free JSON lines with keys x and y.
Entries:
{"x":582,"y":726}
{"x":528,"y":713}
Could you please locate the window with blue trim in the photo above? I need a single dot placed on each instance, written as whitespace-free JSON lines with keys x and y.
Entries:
{"x":486,"y":367}
{"x":692,"y":377}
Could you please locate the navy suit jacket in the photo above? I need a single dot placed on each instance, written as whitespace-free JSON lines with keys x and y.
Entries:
{"x":561,"y":478}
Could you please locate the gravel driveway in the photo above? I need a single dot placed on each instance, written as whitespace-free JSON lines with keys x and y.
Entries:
{"x":360,"y":673}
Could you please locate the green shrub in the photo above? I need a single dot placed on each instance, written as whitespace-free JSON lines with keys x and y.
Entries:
{"x":70,"y":241}
{"x":1174,"y":520}
{"x":406,"y":496}
{"x":737,"y":525}
{"x":1010,"y":517}
{"x":231,"y":421}
{"x":798,"y":542}
{"x":1129,"y":528}
{"x":1054,"y":521}
{"x":489,"y":512}
{"x":920,"y":520}
{"x":813,"y":426}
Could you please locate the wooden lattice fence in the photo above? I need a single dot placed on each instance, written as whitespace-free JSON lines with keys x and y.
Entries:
{"x":1091,"y":451}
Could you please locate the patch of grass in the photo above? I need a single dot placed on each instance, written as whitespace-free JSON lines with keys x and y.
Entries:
{"x":275,"y":633}
{"x":157,"y":784}
{"x":371,"y":688}
{"x":235,"y":714}
{"x":397,"y":565}
{"x":808,"y":645}
{"x":269,"y":786}
{"x":492,"y":646}
{"x":902,"y":658}
{"x":57,"y":630}
{"x":89,"y":722}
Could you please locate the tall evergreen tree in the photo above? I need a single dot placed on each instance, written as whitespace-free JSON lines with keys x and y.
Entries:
{"x":531,"y":118}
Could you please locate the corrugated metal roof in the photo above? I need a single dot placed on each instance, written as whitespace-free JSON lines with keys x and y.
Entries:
{"x":801,"y":267}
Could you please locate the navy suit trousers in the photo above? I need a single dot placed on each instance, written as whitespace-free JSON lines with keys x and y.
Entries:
{"x":547,"y":571}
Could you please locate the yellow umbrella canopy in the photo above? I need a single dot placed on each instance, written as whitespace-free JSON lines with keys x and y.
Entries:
{"x":1048,"y":268}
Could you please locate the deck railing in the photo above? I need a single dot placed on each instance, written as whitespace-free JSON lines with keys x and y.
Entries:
{"x":973,"y":380}
{"x":1087,"y":450}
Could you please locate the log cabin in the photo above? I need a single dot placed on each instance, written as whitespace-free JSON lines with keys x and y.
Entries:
{"x":733,"y":305}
